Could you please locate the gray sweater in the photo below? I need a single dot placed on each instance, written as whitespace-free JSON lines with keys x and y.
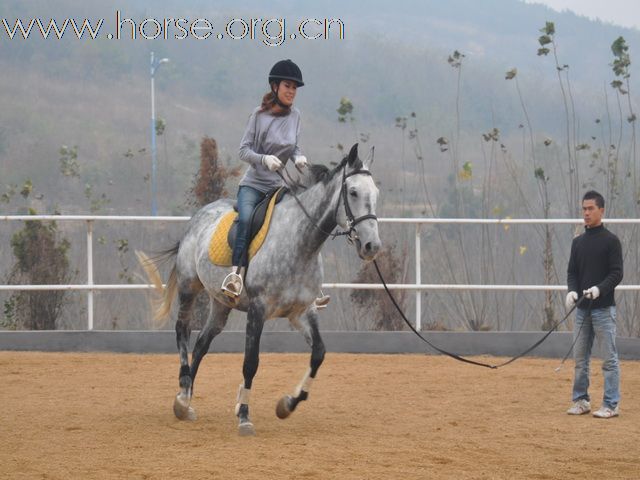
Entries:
{"x":268,"y":135}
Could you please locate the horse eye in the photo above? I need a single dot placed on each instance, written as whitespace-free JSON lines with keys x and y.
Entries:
{"x":353,"y":193}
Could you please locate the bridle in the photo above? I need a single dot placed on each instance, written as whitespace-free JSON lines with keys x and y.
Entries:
{"x":352,"y":221}
{"x":351,"y":232}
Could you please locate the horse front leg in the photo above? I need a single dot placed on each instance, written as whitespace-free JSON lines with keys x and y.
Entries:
{"x":308,"y":325}
{"x":255,"y":322}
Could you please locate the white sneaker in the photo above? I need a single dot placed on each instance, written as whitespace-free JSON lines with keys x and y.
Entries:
{"x":606,"y":412}
{"x":580,"y":407}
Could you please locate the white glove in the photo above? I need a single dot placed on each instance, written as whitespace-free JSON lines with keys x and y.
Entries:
{"x":592,"y":293}
{"x":300,"y":161}
{"x":272,"y":162}
{"x":570,"y":301}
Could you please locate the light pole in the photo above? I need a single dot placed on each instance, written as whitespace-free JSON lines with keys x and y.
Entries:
{"x":154,"y":163}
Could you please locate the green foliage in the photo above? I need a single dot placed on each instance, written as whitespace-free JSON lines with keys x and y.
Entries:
{"x":10,"y":191}
{"x":622,"y":61}
{"x":620,"y":66}
{"x":345,"y":110}
{"x":122,"y":246}
{"x":9,"y":320}
{"x":41,"y":258}
{"x":548,"y":31}
{"x":619,"y":47}
{"x":491,"y":135}
{"x":549,"y":28}
{"x":467,"y":171}
{"x":69,"y":166}
{"x":455,"y":59}
{"x":539,"y":174}
{"x":544,"y":40}
{"x":161,"y":125}
{"x":27,"y":188}
{"x":96,"y":202}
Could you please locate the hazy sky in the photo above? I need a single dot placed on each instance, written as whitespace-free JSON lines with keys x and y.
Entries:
{"x":620,"y":12}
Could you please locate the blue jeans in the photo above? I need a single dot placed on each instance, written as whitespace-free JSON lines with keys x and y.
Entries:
{"x":602,"y":324}
{"x":248,"y":198}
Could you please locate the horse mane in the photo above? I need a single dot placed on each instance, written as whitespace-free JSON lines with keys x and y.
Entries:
{"x":322,"y":173}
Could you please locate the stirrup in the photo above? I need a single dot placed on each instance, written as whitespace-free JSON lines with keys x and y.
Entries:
{"x":322,"y":302}
{"x":232,"y":285}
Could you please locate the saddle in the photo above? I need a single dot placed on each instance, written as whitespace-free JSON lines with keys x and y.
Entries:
{"x":222,"y":240}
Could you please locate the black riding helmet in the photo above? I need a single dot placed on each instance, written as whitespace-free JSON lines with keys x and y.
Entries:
{"x":286,"y":70}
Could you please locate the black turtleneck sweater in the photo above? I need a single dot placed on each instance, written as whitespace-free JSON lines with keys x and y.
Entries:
{"x":595,"y":261}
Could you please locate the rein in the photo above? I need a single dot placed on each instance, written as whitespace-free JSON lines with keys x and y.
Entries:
{"x":352,"y":221}
{"x":467,"y":360}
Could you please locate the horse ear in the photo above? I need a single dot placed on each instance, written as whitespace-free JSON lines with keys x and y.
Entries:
{"x":368,"y":162}
{"x":353,"y":155}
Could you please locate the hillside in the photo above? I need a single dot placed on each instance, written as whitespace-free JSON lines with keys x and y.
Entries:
{"x":95,"y":94}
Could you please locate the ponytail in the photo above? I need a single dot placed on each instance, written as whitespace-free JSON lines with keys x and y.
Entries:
{"x":269,"y":101}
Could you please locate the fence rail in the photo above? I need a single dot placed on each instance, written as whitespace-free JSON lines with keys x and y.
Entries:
{"x":90,"y":287}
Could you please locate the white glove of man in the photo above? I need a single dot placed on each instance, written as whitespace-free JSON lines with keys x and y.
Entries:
{"x":570,"y":301}
{"x":592,"y":293}
{"x":300,"y":161}
{"x":272,"y":162}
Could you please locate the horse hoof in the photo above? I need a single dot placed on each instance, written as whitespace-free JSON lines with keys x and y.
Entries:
{"x":245,"y":429}
{"x":282,"y":408}
{"x":181,"y":408}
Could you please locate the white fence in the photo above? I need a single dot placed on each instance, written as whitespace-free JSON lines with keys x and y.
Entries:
{"x":90,"y":287}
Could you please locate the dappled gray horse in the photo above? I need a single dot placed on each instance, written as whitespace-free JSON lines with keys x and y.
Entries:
{"x":283,"y":278}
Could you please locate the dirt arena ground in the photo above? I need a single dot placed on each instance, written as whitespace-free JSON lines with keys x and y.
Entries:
{"x":91,"y":416}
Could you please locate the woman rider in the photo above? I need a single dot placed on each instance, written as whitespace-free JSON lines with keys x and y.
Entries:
{"x":269,"y":140}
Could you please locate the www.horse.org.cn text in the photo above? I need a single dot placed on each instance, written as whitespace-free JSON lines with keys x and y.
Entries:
{"x":272,"y":32}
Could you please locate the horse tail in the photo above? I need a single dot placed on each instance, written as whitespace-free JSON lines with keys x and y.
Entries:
{"x":168,"y":293}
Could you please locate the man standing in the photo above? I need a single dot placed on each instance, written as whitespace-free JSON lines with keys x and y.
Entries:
{"x":595,"y":268}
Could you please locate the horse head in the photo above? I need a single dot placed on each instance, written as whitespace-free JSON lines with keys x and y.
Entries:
{"x":359,"y":196}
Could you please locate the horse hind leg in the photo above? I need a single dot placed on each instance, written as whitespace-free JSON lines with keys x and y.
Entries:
{"x":216,"y":321}
{"x":308,"y":325}
{"x":182,"y":403}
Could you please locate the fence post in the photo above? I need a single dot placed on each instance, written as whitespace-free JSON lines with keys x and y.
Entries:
{"x":90,"y":274}
{"x":418,"y":281}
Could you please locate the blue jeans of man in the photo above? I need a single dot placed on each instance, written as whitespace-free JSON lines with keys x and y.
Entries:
{"x":248,"y":198}
{"x":600,"y":323}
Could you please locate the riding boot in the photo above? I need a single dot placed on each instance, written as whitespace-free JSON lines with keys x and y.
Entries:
{"x":232,"y":284}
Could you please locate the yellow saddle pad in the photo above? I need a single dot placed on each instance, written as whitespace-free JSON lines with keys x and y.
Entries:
{"x":219,"y":251}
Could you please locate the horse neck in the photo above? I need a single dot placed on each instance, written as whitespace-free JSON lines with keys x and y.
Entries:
{"x":320,"y":202}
